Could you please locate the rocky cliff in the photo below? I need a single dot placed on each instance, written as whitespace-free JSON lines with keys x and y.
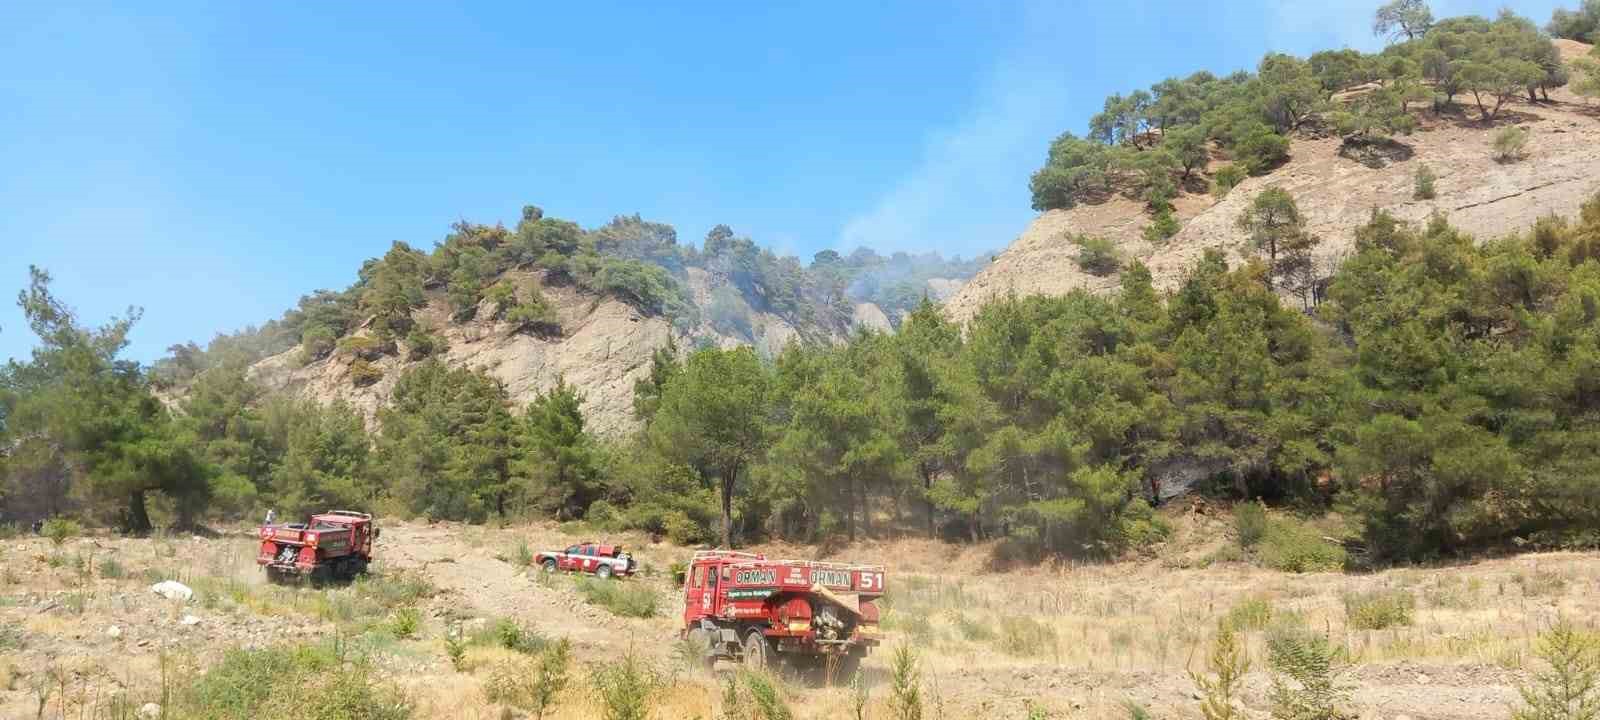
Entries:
{"x":602,"y":348}
{"x":1336,"y":194}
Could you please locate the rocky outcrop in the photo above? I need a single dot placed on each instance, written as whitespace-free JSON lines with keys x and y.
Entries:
{"x":1336,"y":194}
{"x":871,"y":317}
{"x":603,"y":347}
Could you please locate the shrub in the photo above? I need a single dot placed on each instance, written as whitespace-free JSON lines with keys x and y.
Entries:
{"x":365,"y":347}
{"x":1379,"y":609}
{"x":309,"y":681}
{"x":316,"y":341}
{"x":455,"y":648}
{"x":1026,"y":636}
{"x":626,"y":688}
{"x":684,"y":530}
{"x":110,"y":569}
{"x":1304,"y":682}
{"x":1249,"y":614}
{"x":524,"y":556}
{"x":406,"y":623}
{"x":1292,"y":546}
{"x":1227,"y":666}
{"x":534,"y":314}
{"x":1163,"y":225}
{"x":915,"y":625}
{"x":421,"y":344}
{"x":506,"y":633}
{"x":394,"y":590}
{"x":1250,"y":522}
{"x":362,"y":373}
{"x":550,"y":676}
{"x":12,"y":638}
{"x":1570,"y":686}
{"x":1423,"y":185}
{"x":621,"y":598}
{"x":502,"y":295}
{"x":1158,"y":196}
{"x":748,"y":695}
{"x":905,"y":685}
{"x":1540,"y":583}
{"x":512,"y":636}
{"x":60,"y":530}
{"x":1509,"y":144}
{"x":860,"y":695}
{"x":1452,"y":592}
{"x":1259,"y":149}
{"x":1096,"y":255}
{"x":9,"y":530}
{"x":1226,"y":553}
{"x":973,"y":630}
{"x":533,"y":688}
{"x":1226,"y":177}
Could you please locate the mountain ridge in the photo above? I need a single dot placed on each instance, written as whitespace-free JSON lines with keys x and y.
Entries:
{"x":1336,"y":194}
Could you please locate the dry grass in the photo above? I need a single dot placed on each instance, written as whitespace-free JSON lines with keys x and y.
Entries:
{"x":1077,"y":640}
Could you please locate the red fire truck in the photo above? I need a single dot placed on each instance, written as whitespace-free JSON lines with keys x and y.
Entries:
{"x":808,"y":615}
{"x":335,"y":544}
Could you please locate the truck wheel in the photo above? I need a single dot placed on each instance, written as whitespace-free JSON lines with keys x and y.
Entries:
{"x":700,"y":640}
{"x":758,"y":653}
{"x":848,"y":665}
{"x":603,"y":572}
{"x":550,"y":566}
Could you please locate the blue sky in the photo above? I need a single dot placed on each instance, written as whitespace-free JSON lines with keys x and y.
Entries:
{"x":211,"y":162}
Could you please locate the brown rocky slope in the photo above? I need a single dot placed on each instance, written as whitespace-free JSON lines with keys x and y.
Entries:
{"x":603,"y":347}
{"x":1560,"y":169}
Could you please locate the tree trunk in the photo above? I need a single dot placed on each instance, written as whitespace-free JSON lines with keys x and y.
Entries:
{"x":927,"y":487}
{"x":866,"y":514}
{"x":850,"y":513}
{"x":728,"y":476}
{"x":138,"y":517}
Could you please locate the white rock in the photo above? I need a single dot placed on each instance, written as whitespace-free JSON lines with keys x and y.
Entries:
{"x":149,"y":711}
{"x":172,"y":590}
{"x":113,"y":632}
{"x":189,"y":620}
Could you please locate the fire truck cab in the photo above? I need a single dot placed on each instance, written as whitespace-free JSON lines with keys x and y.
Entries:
{"x":806,"y":614}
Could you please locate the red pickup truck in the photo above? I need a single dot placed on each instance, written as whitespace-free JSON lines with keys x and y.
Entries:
{"x":333,"y":545}
{"x":603,"y":560}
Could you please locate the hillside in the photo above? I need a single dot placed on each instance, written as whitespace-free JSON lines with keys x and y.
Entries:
{"x":548,"y":300}
{"x":604,"y":346}
{"x":1335,"y":194}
